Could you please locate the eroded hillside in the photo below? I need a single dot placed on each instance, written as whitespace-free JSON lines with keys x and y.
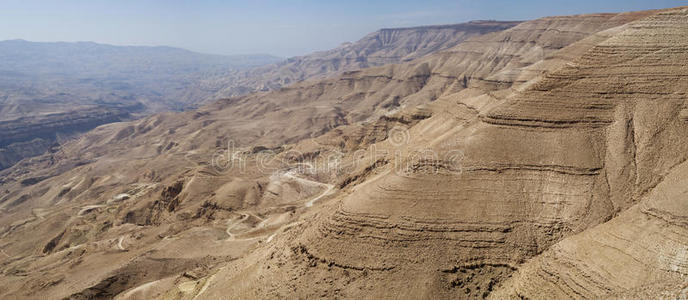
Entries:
{"x":43,"y":82}
{"x":385,"y":46}
{"x":545,"y":160}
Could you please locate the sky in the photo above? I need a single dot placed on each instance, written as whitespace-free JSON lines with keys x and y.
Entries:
{"x":283,"y":28}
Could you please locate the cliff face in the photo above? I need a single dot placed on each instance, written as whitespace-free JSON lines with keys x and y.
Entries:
{"x":628,"y":94}
{"x":545,"y":160}
{"x":31,"y":136}
{"x":48,"y":126}
{"x":382,"y":47}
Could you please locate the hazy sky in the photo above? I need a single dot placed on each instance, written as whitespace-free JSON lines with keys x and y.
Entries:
{"x":283,"y":28}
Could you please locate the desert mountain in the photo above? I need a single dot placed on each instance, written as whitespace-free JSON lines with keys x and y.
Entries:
{"x":385,"y":46}
{"x":44,"y":82}
{"x":546,"y":160}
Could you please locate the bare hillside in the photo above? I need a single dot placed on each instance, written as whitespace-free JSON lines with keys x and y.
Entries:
{"x":385,"y":46}
{"x":543,"y":161}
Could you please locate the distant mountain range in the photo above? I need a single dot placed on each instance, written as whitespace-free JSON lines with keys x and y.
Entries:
{"x":43,"y":86}
{"x":39,"y":78}
{"x":51,"y":90}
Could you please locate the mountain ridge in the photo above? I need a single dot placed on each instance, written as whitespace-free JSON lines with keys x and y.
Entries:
{"x":372,"y":50}
{"x":156,"y":86}
{"x":515,"y":161}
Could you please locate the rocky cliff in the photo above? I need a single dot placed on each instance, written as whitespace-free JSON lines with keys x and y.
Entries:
{"x":385,"y":46}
